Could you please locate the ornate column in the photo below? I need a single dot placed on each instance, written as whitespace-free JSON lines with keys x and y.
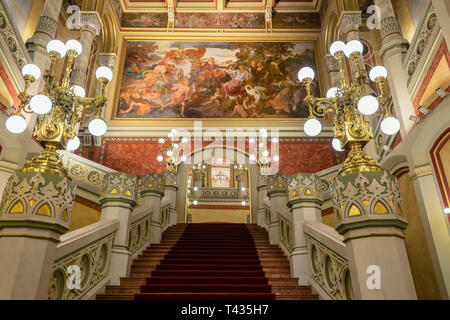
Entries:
{"x":118,"y":198}
{"x":370,"y":217}
{"x":394,"y":47}
{"x":305,"y":203}
{"x":171,"y":193}
{"x":90,"y":27}
{"x":151,"y":189}
{"x":262,"y":194}
{"x":442,"y":9}
{"x":35,"y":210}
{"x":277,"y":192}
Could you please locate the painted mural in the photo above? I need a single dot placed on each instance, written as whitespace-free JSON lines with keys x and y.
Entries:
{"x":167,"y":79}
{"x":220,"y":20}
{"x":144,"y":20}
{"x":296,"y":20}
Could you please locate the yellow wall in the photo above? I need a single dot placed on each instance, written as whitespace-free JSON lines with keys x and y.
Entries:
{"x":329,"y":220}
{"x":82,"y":216}
{"x":416,"y":244}
{"x":218,"y":215}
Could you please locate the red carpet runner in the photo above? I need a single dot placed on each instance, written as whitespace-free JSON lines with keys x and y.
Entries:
{"x":211,"y":261}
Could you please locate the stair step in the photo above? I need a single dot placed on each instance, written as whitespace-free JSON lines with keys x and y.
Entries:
{"x":205,"y":296}
{"x":206,"y":288}
{"x":210,"y":280}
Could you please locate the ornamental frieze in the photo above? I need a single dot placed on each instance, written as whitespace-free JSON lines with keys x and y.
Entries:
{"x":152,"y":183}
{"x":119,"y":186}
{"x":304,"y":186}
{"x":276,"y":183}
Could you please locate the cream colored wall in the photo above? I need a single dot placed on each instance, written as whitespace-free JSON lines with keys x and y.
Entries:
{"x":416,"y":244}
{"x":219,"y":215}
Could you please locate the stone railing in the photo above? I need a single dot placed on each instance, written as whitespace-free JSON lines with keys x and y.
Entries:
{"x":330,"y":275}
{"x":139,"y":234}
{"x":88,"y":249}
{"x":286,"y":230}
{"x":221,"y":194}
{"x":165,"y":214}
{"x":421,"y":45}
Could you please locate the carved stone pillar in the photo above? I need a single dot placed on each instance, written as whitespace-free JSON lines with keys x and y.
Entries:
{"x":370,"y":217}
{"x":305,"y":203}
{"x":394,"y":48}
{"x":151,"y":189}
{"x":277,"y":192}
{"x":118,"y":198}
{"x":171,"y":193}
{"x":262,"y":194}
{"x":35,"y":210}
{"x":90,"y":27}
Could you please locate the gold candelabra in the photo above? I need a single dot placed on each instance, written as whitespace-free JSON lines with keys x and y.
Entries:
{"x":172,"y":152}
{"x":264,"y":157}
{"x":60,"y":106}
{"x":349,"y":106}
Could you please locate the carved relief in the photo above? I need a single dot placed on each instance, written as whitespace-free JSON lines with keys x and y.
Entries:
{"x":304,"y":186}
{"x":119,"y":186}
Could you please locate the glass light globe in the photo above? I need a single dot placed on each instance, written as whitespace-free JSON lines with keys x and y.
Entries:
{"x":161,"y":140}
{"x":261,"y":144}
{"x":252,"y":158}
{"x":170,"y":135}
{"x":183,"y":158}
{"x":170,"y":153}
{"x":97,"y":127}
{"x":175,"y":146}
{"x":31,"y":70}
{"x":184,"y":140}
{"x":243,"y":189}
{"x":390,"y":125}
{"x":332,"y":92}
{"x":195,"y":202}
{"x":306,"y":73}
{"x":173,"y":131}
{"x":244,"y":203}
{"x":104,"y":72}
{"x":313,"y":127}
{"x":41,"y":104}
{"x":16,"y":124}
{"x":78,"y":91}
{"x":276,"y":158}
{"x":204,"y":167}
{"x":368,"y":105}
{"x":195,"y":189}
{"x":265,"y":153}
{"x":275,"y":140}
{"x":159,"y":158}
{"x":75,"y":46}
{"x":336,"y":144}
{"x":73,"y":144}
{"x":378,"y":72}
{"x":353,"y":47}
{"x":336,"y":47}
{"x":262,"y":130}
{"x":251,"y":140}
{"x":58,"y":47}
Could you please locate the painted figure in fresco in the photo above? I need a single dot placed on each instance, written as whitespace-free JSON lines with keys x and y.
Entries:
{"x":236,"y":86}
{"x":180,"y":95}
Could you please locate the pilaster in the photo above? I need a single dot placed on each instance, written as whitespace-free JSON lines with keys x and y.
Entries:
{"x":170,"y":193}
{"x":151,"y":189}
{"x":261,"y":187}
{"x":277,"y":193}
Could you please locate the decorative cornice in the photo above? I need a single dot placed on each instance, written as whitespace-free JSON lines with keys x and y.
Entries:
{"x":119,"y":186}
{"x":152,"y":183}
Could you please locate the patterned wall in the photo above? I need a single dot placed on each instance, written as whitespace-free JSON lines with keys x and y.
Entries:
{"x":138,"y":155}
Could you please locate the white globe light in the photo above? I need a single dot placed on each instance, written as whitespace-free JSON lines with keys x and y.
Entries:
{"x":195,"y":189}
{"x":275,"y":140}
{"x":332,"y":92}
{"x":161,"y":140}
{"x":244,"y":203}
{"x":306,"y":73}
{"x":58,"y":47}
{"x":104,"y":72}
{"x":159,"y":158}
{"x":336,"y":144}
{"x":368,"y":105}
{"x":312,"y":127}
{"x":31,"y":70}
{"x":252,"y":157}
{"x":170,"y":135}
{"x":390,"y":125}
{"x":73,"y":144}
{"x":97,"y":127}
{"x":195,"y":202}
{"x":41,"y":104}
{"x":251,"y":140}
{"x":378,"y":72}
{"x":75,"y":46}
{"x":173,"y":131}
{"x":184,"y":140}
{"x":336,"y":47}
{"x":264,"y":134}
{"x":262,"y":130}
{"x":276,"y":158}
{"x":78,"y":91}
{"x":243,"y":189}
{"x":183,"y":158}
{"x":16,"y":124}
{"x":175,"y":146}
{"x":170,"y":153}
{"x":353,"y":47}
{"x":265,"y":153}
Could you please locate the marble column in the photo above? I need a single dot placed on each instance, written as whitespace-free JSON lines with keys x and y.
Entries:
{"x":118,"y":199}
{"x":305,"y":203}
{"x":277,"y":192}
{"x":35,"y":210}
{"x":151,"y":189}
{"x":370,"y":216}
{"x":171,"y":193}
{"x":261,"y":187}
{"x":442,"y":10}
{"x":394,"y":48}
{"x":90,"y":27}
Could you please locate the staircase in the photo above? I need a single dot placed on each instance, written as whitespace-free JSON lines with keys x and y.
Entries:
{"x":210,"y":261}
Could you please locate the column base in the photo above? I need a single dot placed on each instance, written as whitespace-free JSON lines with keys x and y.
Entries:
{"x":155,"y":233}
{"x":300,"y":265}
{"x":120,"y":264}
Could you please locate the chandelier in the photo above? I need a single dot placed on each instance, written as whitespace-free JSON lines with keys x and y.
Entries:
{"x":60,"y":107}
{"x":349,"y":106}
{"x":264,"y":157}
{"x":172,"y":152}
